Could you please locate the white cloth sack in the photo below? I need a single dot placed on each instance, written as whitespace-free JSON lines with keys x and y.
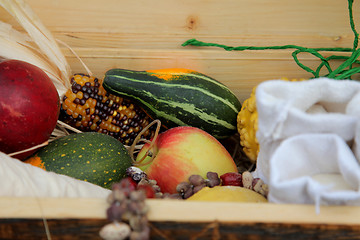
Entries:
{"x":309,"y":139}
{"x":20,"y":179}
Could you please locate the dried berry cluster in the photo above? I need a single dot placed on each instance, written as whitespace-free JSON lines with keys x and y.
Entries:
{"x":141,"y":181}
{"x":245,"y":180}
{"x":149,"y":185}
{"x":127,"y":203}
{"x":197,"y":182}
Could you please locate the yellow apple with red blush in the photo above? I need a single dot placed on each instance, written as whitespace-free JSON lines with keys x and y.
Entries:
{"x":181,"y":152}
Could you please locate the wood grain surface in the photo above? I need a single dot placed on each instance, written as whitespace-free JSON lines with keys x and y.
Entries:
{"x":89,"y":229}
{"x":162,"y":210}
{"x":137,"y":35}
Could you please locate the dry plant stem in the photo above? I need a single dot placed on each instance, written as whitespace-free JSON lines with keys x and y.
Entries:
{"x":66,"y":126}
{"x":138,"y":138}
{"x":138,"y":146}
{"x":62,"y":131}
{"x":77,"y":56}
{"x":215,"y":235}
{"x":29,"y":149}
{"x":57,"y":133}
{"x":160,"y":233}
{"x":251,"y":167}
{"x":235,"y":151}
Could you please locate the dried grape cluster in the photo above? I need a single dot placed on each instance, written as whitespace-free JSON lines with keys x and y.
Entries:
{"x":141,"y":180}
{"x":127,"y":203}
{"x":197,"y":182}
{"x":149,"y":185}
{"x":245,"y":180}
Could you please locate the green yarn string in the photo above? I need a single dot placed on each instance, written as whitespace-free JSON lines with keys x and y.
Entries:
{"x":344,"y":71}
{"x":352,"y":24}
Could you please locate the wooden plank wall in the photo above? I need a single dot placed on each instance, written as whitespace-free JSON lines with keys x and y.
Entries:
{"x":146,"y":34}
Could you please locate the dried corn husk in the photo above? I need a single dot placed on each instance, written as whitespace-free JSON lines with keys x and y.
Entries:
{"x":37,"y":47}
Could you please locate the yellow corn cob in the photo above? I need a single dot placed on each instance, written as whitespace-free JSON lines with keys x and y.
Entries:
{"x":88,"y":107}
{"x":247,"y":125}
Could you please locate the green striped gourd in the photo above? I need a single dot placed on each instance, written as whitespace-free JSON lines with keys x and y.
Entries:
{"x":179,"y":97}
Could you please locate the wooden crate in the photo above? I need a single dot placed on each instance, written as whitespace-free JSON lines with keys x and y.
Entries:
{"x":143,"y":35}
{"x":22,"y":218}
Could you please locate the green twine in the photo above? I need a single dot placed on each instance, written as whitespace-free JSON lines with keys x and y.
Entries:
{"x":344,"y":71}
{"x":352,"y":24}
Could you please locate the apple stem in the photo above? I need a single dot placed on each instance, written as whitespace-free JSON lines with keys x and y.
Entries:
{"x":148,"y":152}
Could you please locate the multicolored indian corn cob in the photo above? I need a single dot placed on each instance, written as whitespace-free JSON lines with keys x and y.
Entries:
{"x":88,"y":107}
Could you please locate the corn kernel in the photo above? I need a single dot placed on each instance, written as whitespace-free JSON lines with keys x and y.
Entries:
{"x":92,"y":109}
{"x":71,"y":96}
{"x":75,"y":114}
{"x":79,"y":95}
{"x":93,"y":127}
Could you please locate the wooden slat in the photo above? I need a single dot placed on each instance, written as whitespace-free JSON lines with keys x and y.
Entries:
{"x":183,"y":211}
{"x":174,"y":41}
{"x":23,"y":218}
{"x":34,"y":229}
{"x":194,"y":18}
{"x":89,"y":229}
{"x":53,"y":208}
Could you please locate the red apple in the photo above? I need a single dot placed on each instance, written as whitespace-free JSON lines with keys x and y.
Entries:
{"x":29,"y":106}
{"x":181,"y":152}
